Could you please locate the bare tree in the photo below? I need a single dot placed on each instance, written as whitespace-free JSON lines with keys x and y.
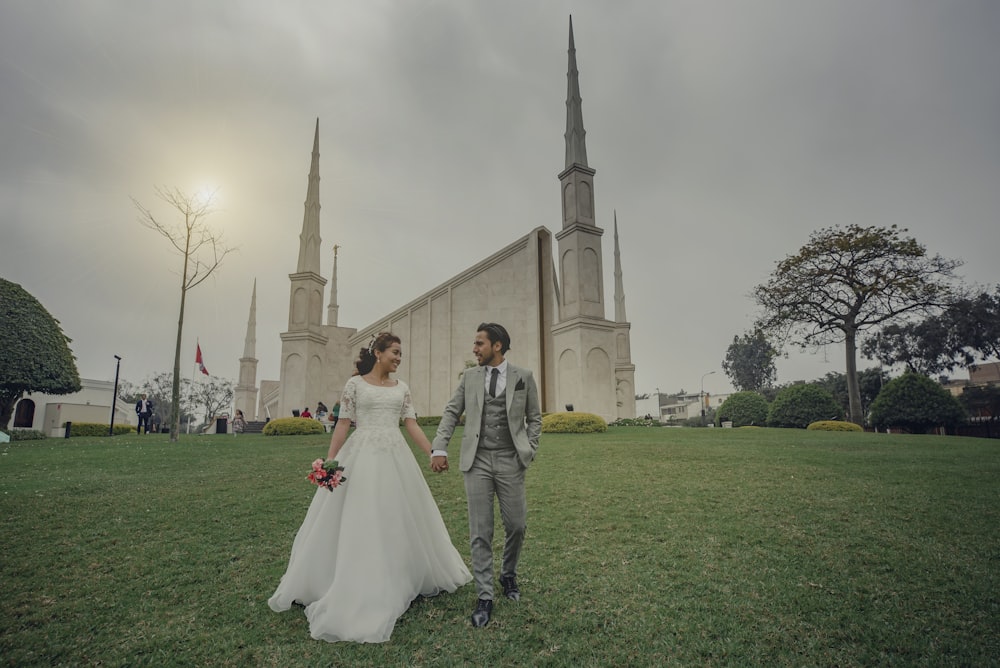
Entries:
{"x":203,"y":252}
{"x":212,"y":395}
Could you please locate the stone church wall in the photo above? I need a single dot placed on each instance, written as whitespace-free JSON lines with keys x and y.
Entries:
{"x":513,"y":287}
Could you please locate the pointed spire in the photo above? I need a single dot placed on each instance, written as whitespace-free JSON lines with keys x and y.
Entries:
{"x":250,"y":345}
{"x":619,"y":286}
{"x":332,"y":308}
{"x":576,"y":147}
{"x":309,"y":239}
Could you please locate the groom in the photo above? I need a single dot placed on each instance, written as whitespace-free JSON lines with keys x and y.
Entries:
{"x":503,"y":420}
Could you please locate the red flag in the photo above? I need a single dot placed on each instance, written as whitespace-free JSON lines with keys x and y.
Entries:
{"x":199,"y":362}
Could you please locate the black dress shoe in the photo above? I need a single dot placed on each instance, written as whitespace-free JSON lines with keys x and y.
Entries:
{"x":481,"y":615}
{"x":510,"y":590}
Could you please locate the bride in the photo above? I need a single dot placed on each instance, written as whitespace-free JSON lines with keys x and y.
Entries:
{"x":369,"y":547}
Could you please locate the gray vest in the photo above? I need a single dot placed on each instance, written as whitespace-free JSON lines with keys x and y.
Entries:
{"x":495,"y":431}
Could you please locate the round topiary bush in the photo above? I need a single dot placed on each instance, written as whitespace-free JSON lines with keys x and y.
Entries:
{"x":742,"y":409}
{"x":292,"y":426}
{"x":833,"y":425}
{"x":573,"y":423}
{"x":915,"y":403}
{"x":800,"y":405}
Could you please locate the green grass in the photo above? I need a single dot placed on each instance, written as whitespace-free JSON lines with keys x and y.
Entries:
{"x":645,"y":547}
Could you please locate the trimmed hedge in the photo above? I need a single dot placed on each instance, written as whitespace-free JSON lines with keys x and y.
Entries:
{"x":98,"y":429}
{"x":798,"y":406}
{"x":25,"y":435}
{"x":573,"y":423}
{"x":742,"y":409}
{"x":293,"y":426}
{"x":833,"y":425}
{"x":915,"y":403}
{"x":635,"y":422}
{"x":428,"y":420}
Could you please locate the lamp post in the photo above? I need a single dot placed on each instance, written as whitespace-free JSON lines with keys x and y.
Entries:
{"x":114,"y":397}
{"x":701,"y":396}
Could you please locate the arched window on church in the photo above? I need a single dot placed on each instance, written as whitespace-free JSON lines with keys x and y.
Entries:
{"x":24,"y":414}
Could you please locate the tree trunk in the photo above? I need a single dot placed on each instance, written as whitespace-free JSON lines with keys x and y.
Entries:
{"x":853,"y":387}
{"x":175,"y":392}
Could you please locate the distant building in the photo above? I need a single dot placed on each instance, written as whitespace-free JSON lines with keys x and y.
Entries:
{"x":49,"y":413}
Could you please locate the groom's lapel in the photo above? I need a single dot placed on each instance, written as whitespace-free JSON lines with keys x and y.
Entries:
{"x":513,"y":377}
{"x":479,"y":390}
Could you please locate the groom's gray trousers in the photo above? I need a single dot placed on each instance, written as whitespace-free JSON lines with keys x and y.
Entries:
{"x":496,"y":470}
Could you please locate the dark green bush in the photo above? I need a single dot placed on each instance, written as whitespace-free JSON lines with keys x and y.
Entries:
{"x":742,"y":409}
{"x":573,"y":423}
{"x":25,"y":435}
{"x":293,"y":426}
{"x":833,"y":425}
{"x":635,"y":422}
{"x":799,"y":405}
{"x":97,"y":429}
{"x":915,"y":403}
{"x":428,"y":420}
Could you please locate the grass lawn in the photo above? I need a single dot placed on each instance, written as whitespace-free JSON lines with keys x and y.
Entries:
{"x":645,"y":547}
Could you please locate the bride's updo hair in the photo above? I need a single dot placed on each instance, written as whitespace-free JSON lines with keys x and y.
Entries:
{"x":366,"y":360}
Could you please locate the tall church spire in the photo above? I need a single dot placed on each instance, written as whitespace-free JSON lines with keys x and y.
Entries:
{"x":576,"y":146}
{"x":332,"y":308}
{"x":309,"y":240}
{"x":619,"y":286}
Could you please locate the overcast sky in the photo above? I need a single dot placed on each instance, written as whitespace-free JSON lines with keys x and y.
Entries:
{"x":722,"y":132}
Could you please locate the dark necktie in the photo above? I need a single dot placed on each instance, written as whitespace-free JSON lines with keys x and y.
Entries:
{"x":493,"y":382}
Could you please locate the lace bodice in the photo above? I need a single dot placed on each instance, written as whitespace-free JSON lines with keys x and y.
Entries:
{"x":375,"y":406}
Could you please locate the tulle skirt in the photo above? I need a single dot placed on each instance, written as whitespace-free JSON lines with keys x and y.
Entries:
{"x":369,"y":547}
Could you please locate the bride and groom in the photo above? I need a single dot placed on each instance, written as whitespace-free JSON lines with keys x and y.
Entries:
{"x":351,"y":565}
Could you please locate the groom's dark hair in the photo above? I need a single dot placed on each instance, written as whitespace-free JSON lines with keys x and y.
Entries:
{"x":496,"y":333}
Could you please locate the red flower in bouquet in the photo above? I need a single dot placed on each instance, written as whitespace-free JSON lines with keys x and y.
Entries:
{"x":327,"y":474}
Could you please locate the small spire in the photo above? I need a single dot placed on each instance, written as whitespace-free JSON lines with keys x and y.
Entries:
{"x":619,"y":286}
{"x":332,"y":308}
{"x":576,"y":146}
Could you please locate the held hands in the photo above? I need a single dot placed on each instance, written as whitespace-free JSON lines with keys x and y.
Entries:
{"x":439,"y":464}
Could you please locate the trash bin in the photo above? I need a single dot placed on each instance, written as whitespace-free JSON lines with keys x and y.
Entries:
{"x":69,"y":427}
{"x":221,"y":425}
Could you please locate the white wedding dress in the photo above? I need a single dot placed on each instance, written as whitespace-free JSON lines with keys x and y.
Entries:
{"x":369,"y":547}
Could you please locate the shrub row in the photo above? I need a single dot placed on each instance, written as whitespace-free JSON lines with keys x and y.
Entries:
{"x":98,"y":429}
{"x":25,"y":434}
{"x":293,"y":426}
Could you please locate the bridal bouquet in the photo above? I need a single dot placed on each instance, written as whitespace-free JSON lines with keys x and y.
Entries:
{"x":327,"y":474}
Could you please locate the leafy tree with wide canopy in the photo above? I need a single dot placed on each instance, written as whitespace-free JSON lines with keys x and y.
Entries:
{"x":870,"y":383}
{"x":749,"y":362}
{"x":34,"y":352}
{"x":847,"y":280}
{"x":966,"y":331}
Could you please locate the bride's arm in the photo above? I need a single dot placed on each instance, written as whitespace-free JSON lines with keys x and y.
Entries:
{"x":418,"y":435}
{"x":338,"y":438}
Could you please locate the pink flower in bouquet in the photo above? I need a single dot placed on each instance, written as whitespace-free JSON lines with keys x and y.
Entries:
{"x":329,"y":474}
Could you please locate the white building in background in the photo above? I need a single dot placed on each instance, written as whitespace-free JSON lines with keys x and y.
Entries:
{"x":546,"y":288}
{"x":48,"y":413}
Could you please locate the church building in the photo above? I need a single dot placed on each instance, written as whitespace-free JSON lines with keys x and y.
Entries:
{"x":547,"y":290}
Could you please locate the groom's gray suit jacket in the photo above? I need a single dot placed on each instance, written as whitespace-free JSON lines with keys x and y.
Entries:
{"x":524,"y":414}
